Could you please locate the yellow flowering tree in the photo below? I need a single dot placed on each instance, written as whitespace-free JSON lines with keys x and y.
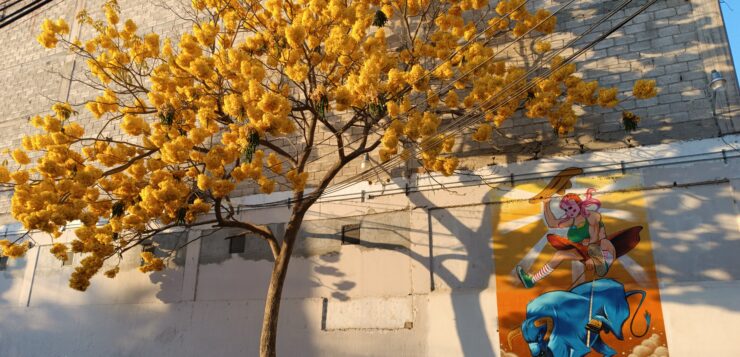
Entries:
{"x":243,"y":97}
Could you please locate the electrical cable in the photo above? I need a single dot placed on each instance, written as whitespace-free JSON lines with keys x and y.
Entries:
{"x":373,"y":171}
{"x":621,"y":167}
{"x":469,"y":118}
{"x":427,"y":74}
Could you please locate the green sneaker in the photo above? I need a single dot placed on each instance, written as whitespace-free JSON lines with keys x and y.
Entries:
{"x":600,"y":265}
{"x":525,"y":278}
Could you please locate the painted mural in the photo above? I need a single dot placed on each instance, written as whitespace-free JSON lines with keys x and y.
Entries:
{"x":574,"y":268}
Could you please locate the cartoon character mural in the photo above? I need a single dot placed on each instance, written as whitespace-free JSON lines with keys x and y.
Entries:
{"x":577,"y":309}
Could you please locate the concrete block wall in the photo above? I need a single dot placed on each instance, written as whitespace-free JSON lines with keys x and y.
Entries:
{"x":676,"y":42}
{"x":421,"y":284}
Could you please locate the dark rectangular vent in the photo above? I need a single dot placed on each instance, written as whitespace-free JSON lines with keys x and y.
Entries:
{"x":237,"y":244}
{"x":351,"y":234}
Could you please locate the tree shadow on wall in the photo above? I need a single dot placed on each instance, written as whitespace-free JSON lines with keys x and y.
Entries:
{"x":471,"y":238}
{"x":475,"y":251}
{"x":668,"y":43}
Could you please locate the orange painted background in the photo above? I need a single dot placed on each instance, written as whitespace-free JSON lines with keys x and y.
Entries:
{"x":519,"y":237}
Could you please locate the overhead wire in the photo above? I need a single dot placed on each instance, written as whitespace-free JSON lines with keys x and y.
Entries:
{"x":436,"y":140}
{"x":456,"y":126}
{"x":469,"y":118}
{"x":488,"y":59}
{"x":449,"y":58}
{"x":372,"y":172}
{"x":592,"y":170}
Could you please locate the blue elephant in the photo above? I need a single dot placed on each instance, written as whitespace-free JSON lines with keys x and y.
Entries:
{"x":556,"y":321}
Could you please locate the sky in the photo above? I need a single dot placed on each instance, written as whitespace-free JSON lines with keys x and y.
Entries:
{"x":731,"y":12}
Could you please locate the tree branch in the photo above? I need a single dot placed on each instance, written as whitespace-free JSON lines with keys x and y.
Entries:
{"x":262,"y":232}
{"x":129,"y":163}
{"x":280,"y":151}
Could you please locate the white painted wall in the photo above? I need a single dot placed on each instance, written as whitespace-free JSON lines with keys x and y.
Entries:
{"x":372,"y":302}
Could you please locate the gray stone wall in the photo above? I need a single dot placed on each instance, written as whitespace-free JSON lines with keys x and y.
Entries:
{"x":316,"y":237}
{"x":676,"y":42}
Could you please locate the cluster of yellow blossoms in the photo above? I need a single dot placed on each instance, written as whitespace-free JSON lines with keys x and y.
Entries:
{"x":50,"y":30}
{"x":208,"y":113}
{"x":151,"y":263}
{"x":13,"y":250}
{"x":644,"y":89}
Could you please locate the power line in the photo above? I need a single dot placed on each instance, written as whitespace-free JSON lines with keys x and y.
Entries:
{"x":469,"y":118}
{"x":592,"y":170}
{"x":429,"y":73}
{"x":373,"y":171}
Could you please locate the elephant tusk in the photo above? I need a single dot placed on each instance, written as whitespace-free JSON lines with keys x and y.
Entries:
{"x":513,"y":334}
{"x":548,"y":322}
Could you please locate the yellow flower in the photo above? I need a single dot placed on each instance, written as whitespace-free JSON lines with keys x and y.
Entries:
{"x":234,"y":106}
{"x":198,"y":4}
{"x":451,"y":99}
{"x":62,"y":110}
{"x":13,"y":250}
{"x":542,"y":46}
{"x":608,"y":97}
{"x":479,"y":4}
{"x":417,"y":78}
{"x":205,"y":33}
{"x":449,"y":166}
{"x":274,"y":163}
{"x":295,"y":34}
{"x":482,"y":133}
{"x":20,"y":177}
{"x":20,"y":157}
{"x":297,"y":72}
{"x":444,"y":71}
{"x":59,"y":250}
{"x":548,"y":23}
{"x":50,"y":30}
{"x":4,"y":174}
{"x":111,"y":13}
{"x":151,"y":263}
{"x":74,"y":130}
{"x":448,"y":144}
{"x":644,"y":89}
{"x":221,"y":188}
{"x":266,"y":185}
{"x":177,"y":151}
{"x":343,"y":98}
{"x":129,"y":26}
{"x":134,"y":125}
{"x":151,"y":41}
{"x":112,"y":272}
{"x":297,"y":179}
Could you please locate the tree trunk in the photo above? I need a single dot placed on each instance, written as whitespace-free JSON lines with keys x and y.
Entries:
{"x":268,"y":337}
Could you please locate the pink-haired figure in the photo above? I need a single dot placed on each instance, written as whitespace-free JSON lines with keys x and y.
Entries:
{"x":586,"y":238}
